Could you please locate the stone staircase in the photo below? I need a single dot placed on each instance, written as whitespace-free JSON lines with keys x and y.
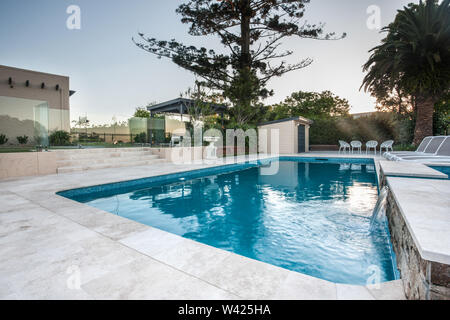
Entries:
{"x":91,"y":159}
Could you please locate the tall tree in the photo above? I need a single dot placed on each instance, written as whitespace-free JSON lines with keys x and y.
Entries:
{"x":414,"y":58}
{"x":251,"y":31}
{"x":311,"y":105}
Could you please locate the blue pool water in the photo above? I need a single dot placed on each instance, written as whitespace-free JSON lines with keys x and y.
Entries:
{"x":443,"y":169}
{"x":310,"y":217}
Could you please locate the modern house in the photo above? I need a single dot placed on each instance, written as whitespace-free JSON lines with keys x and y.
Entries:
{"x":33,"y":104}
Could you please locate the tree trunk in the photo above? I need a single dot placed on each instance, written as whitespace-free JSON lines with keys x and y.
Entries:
{"x":424,"y":118}
{"x":245,"y":58}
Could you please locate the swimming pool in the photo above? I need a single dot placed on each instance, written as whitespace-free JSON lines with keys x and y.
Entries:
{"x":443,"y":169}
{"x":312,"y":216}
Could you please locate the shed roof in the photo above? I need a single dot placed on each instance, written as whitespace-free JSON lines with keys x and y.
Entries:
{"x":300,"y":119}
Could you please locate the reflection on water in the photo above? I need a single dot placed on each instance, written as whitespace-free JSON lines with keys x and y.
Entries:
{"x":310,"y":217}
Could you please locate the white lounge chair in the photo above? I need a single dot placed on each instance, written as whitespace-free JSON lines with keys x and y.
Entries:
{"x":420,"y":150}
{"x":372,"y":144}
{"x":442,"y":153}
{"x":343,"y":146}
{"x":355,"y":144}
{"x":387,"y":145}
{"x":430,"y":151}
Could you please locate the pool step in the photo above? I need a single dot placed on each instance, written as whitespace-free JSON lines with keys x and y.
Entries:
{"x":92,"y":159}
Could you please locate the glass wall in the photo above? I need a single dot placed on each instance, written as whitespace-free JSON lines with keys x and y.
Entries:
{"x":41,"y":122}
{"x":24,"y":117}
{"x":155,"y":131}
{"x":148,"y":130}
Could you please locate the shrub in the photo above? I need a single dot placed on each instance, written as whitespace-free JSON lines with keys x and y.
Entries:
{"x":59,"y":138}
{"x":379,"y":127}
{"x":141,"y":138}
{"x":326,"y":131}
{"x":404,"y":129}
{"x":3,"y":139}
{"x":22,"y":139}
{"x":405,"y":147}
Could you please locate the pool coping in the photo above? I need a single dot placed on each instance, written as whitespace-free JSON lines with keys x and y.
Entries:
{"x":411,"y":170}
{"x":220,"y":273}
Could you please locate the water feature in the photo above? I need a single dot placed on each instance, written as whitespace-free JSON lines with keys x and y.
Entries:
{"x":380,"y":208}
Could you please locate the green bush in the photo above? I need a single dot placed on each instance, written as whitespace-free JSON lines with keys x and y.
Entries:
{"x":379,"y":127}
{"x":59,"y":138}
{"x":3,"y":139}
{"x":159,"y":136}
{"x":326,"y":131}
{"x":22,"y":139}
{"x":141,"y":138}
{"x":404,"y":129}
{"x":405,"y":147}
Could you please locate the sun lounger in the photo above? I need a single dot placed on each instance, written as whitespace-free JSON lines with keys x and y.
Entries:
{"x":441,"y":154}
{"x":433,"y":149}
{"x":420,"y":150}
{"x":430,"y":151}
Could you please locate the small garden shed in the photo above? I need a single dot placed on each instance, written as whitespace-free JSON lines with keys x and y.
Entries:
{"x":293,"y":135}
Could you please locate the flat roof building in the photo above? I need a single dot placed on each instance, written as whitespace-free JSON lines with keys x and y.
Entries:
{"x":33,"y":104}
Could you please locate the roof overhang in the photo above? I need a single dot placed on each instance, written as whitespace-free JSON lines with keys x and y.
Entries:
{"x":300,"y":120}
{"x":180,"y":106}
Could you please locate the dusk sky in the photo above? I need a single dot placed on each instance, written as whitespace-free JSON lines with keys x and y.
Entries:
{"x":112,"y":76}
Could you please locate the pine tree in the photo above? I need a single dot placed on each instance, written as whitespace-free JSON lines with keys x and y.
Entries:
{"x":251,"y":31}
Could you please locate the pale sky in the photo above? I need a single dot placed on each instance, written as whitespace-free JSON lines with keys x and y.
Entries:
{"x":112,"y":76}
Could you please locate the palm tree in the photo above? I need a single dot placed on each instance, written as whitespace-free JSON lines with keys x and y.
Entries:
{"x":414,"y":57}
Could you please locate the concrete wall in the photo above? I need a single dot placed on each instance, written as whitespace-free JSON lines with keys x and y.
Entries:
{"x":27,"y":164}
{"x":56,"y":99}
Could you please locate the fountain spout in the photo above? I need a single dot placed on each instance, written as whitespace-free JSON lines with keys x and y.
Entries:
{"x":380,"y":207}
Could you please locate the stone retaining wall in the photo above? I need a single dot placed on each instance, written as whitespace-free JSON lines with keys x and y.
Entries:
{"x":422,"y":279}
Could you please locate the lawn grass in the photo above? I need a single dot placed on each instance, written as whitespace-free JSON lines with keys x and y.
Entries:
{"x":17,"y":149}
